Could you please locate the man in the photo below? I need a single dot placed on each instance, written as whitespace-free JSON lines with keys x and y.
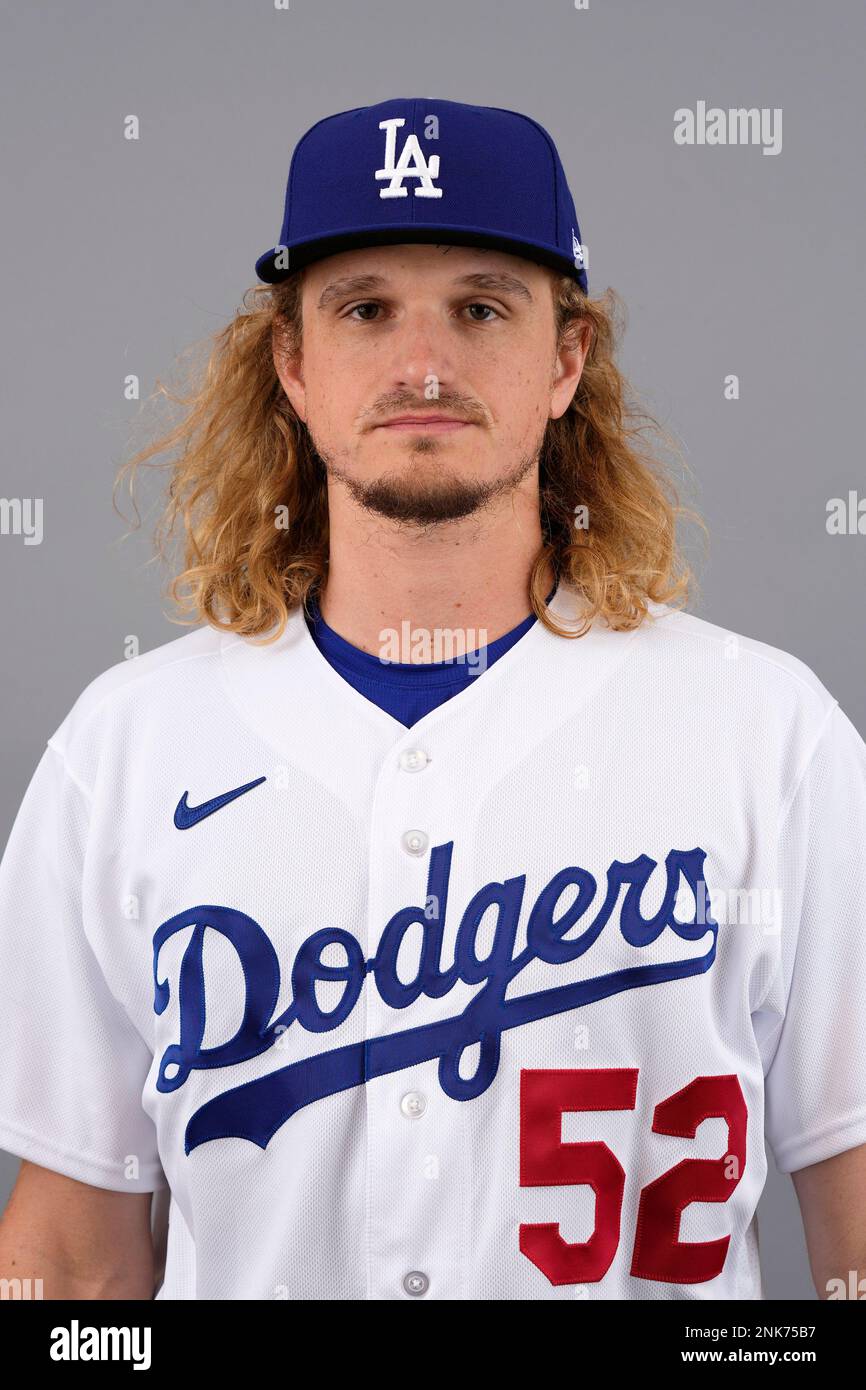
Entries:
{"x":447,"y":915}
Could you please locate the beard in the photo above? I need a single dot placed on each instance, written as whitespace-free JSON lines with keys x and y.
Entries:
{"x":418,"y":496}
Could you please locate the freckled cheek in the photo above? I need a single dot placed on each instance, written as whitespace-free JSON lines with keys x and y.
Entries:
{"x":517,"y":399}
{"x":335,"y":403}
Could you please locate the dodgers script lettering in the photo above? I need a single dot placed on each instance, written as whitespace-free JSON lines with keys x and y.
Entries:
{"x":257,"y":1109}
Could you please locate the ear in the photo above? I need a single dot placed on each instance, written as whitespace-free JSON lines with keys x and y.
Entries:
{"x":568,"y":367}
{"x":289,"y":366}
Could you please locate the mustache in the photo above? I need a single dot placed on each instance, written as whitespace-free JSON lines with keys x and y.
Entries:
{"x":459,"y":408}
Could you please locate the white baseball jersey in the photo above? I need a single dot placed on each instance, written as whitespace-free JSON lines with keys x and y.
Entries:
{"x":494,"y":1007}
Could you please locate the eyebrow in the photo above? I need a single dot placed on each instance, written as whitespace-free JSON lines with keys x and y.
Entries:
{"x":493,"y":281}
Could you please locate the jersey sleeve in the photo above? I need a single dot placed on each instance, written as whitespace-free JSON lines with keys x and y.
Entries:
{"x":72,"y":1065}
{"x":815,"y":1085}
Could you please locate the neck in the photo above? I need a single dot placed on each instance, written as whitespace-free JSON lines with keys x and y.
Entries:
{"x":472,"y":575}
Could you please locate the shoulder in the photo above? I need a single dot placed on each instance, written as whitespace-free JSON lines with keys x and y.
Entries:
{"x":151,"y":681}
{"x":682,"y":672}
{"x":690,"y":642}
{"x":750,"y":691}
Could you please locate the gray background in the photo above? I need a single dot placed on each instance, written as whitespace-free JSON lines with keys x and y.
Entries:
{"x":118,"y":254}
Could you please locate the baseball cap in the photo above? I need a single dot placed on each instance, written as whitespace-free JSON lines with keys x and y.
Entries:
{"x":420,"y":170}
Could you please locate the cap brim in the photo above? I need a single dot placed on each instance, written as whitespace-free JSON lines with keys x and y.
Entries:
{"x":308,"y":252}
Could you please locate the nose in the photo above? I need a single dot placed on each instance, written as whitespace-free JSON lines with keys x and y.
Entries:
{"x":422,"y":352}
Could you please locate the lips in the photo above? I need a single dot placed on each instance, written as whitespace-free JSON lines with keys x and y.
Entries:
{"x":440,"y":423}
{"x":423,"y":420}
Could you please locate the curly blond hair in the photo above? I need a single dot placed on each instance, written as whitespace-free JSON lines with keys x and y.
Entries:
{"x":251,"y":491}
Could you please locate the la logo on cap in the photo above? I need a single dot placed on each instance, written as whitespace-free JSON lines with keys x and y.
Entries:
{"x":418,"y":168}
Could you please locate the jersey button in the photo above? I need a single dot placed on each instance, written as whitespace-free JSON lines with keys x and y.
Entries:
{"x":413,"y":760}
{"x":413,"y":1103}
{"x":416,"y":1283}
{"x":415,"y":842}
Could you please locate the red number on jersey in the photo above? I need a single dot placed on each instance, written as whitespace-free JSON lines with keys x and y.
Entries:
{"x":545,"y":1161}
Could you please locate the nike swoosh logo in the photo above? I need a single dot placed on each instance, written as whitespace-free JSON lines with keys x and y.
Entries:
{"x":185,"y":816}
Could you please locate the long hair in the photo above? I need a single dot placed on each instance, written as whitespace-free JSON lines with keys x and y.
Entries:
{"x":250,"y":490}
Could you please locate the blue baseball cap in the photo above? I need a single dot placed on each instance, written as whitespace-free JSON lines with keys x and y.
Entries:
{"x":418,"y":170}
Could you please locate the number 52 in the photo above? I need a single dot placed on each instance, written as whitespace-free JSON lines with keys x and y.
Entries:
{"x":545,"y":1161}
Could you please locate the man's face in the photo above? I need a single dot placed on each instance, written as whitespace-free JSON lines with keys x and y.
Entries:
{"x":429,"y":332}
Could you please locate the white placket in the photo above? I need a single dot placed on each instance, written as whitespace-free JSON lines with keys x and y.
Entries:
{"x":416,"y":1179}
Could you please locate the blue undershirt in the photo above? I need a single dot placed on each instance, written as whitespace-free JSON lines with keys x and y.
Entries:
{"x":408,"y":690}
